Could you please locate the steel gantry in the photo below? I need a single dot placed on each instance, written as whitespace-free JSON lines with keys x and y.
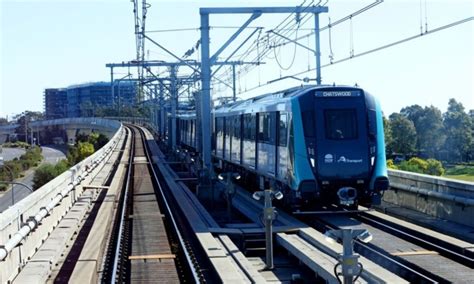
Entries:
{"x":174,"y":83}
{"x":207,"y":61}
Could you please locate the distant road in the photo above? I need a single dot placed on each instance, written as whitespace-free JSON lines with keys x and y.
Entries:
{"x":51,"y":154}
{"x":9,"y":154}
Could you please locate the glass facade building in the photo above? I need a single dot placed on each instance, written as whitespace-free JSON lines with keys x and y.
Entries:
{"x":55,"y":103}
{"x":85,"y":100}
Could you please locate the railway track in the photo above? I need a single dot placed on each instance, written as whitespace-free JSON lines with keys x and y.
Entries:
{"x":413,"y":255}
{"x":406,"y":256}
{"x":147,"y":245}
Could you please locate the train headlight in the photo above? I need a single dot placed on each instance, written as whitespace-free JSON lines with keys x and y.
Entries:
{"x":278,"y":195}
{"x":347,"y":195}
{"x":257,"y":195}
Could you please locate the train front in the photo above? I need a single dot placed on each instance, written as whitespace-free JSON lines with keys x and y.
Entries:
{"x":343,"y":132}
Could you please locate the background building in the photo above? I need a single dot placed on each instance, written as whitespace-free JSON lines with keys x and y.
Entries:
{"x":87,"y":100}
{"x":55,"y":103}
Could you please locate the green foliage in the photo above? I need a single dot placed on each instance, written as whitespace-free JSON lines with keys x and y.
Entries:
{"x":3,"y":121}
{"x":418,"y":165}
{"x":79,"y":152}
{"x":403,"y":134}
{"x":459,"y":132}
{"x":43,"y":174}
{"x":124,"y":111}
{"x":391,"y":165}
{"x":435,"y":168}
{"x":448,"y":136}
{"x":387,"y":134}
{"x":15,"y":168}
{"x":24,"y":119}
{"x":85,"y":146}
{"x":429,"y":128}
{"x":94,"y":138}
{"x":415,"y":165}
{"x":460,"y":170}
{"x":47,"y":172}
{"x":17,"y":144}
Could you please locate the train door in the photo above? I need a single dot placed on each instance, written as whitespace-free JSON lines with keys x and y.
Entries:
{"x":228,"y":138}
{"x":266,"y":151}
{"x":236,"y":126}
{"x":282,"y":149}
{"x":220,"y":137}
{"x":249,"y":136}
{"x":341,"y":135}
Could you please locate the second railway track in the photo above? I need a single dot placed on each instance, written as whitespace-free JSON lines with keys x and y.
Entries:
{"x":148,"y":246}
{"x":415,"y":256}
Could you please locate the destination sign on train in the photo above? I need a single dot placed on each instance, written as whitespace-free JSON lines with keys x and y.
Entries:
{"x":338,"y":94}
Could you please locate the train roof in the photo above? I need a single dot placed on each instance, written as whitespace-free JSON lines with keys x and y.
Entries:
{"x":273,"y":100}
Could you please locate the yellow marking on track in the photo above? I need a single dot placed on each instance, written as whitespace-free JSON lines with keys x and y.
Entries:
{"x":416,"y":252}
{"x":152,"y":256}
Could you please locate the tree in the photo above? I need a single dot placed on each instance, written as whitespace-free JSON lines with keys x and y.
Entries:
{"x":388,"y":135}
{"x":47,"y":172}
{"x":403,"y":134}
{"x":430,"y":131}
{"x":43,"y":174}
{"x":428,"y":123}
{"x":24,"y":119}
{"x":3,"y":121}
{"x":458,"y":128}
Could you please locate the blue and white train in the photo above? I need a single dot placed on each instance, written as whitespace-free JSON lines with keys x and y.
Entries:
{"x":316,"y":143}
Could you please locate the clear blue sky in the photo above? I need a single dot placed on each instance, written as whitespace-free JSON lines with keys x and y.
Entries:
{"x":47,"y":44}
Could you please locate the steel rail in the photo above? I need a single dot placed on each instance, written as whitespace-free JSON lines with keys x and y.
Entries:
{"x":395,"y":264}
{"x":124,"y":208}
{"x":196,"y":277}
{"x":422,"y":239}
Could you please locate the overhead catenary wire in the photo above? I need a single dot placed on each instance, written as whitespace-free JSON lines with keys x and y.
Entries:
{"x":340,"y":21}
{"x":282,"y":27}
{"x":370,"y":51}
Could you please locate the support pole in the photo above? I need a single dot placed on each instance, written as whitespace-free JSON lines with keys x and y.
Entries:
{"x":348,"y":252}
{"x":174,"y":101}
{"x":268,"y":215}
{"x":112,"y":85}
{"x":162,"y":112}
{"x":205,"y":93}
{"x":234,"y":96}
{"x":318,"y":48}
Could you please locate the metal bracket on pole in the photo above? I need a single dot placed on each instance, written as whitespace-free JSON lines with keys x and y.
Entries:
{"x":269,"y":215}
{"x":207,"y":61}
{"x":254,"y":16}
{"x":348,"y":260}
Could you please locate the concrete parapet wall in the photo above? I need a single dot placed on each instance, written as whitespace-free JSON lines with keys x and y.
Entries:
{"x":12,"y":219}
{"x":436,"y":196}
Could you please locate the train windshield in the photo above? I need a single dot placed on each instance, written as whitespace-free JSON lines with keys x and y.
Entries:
{"x":340,"y":124}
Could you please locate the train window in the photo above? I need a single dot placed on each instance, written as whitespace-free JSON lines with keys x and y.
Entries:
{"x":250,"y":126}
{"x":283,"y":129}
{"x":246,"y":126}
{"x":228,"y":126}
{"x":340,"y":124}
{"x":372,"y":123}
{"x":237,"y":126}
{"x":308,"y":123}
{"x":264,"y":128}
{"x":219,"y":126}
